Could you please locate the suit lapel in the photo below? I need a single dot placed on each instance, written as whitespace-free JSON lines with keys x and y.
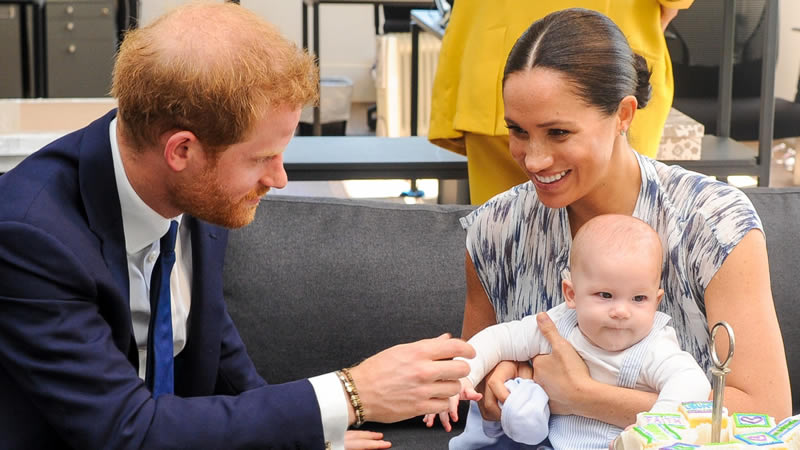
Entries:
{"x":98,"y":188}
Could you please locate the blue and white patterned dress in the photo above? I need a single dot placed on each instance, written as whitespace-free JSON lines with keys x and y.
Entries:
{"x":520,"y":247}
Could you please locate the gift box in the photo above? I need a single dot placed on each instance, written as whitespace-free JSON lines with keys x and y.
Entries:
{"x":682,"y":137}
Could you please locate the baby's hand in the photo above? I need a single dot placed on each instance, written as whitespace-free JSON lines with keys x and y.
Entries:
{"x":362,"y":440}
{"x":467,"y":393}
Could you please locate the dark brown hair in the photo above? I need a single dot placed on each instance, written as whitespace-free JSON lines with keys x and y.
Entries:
{"x":590,"y":50}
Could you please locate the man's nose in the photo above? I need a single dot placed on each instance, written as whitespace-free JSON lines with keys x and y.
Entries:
{"x":275,"y":175}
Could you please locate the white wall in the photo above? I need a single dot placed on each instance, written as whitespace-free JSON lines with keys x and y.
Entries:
{"x":347,"y":35}
{"x":788,"y":69}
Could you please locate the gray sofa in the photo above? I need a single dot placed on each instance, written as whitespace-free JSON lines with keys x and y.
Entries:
{"x":317,"y":284}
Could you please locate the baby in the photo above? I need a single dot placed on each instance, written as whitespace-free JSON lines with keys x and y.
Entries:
{"x":610,"y":317}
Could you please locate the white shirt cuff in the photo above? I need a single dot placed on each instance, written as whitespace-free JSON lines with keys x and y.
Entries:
{"x":332,"y":407}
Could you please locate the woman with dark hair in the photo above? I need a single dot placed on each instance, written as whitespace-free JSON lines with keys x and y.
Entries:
{"x":571,"y":87}
{"x":467,"y":105}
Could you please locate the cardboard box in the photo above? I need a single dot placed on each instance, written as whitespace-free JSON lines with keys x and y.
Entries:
{"x":27,"y":125}
{"x":682,"y":137}
{"x":51,"y":115}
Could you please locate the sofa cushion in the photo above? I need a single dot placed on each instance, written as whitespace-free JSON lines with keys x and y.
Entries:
{"x":379,"y":274}
{"x":780,"y":213}
{"x":318,"y":284}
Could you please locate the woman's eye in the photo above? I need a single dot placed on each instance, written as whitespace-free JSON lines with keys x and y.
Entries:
{"x":639,"y":298}
{"x":604,"y":294}
{"x":516,"y":130}
{"x":557,"y":132}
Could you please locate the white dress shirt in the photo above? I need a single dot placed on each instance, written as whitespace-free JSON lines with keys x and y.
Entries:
{"x":143,"y":229}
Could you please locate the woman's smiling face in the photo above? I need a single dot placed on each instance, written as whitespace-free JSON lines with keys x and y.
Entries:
{"x":564,"y":145}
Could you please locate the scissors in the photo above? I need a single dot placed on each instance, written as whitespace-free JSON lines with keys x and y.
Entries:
{"x":718,"y":373}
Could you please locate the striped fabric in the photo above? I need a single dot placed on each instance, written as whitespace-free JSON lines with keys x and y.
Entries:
{"x":520,"y":247}
{"x":578,"y":432}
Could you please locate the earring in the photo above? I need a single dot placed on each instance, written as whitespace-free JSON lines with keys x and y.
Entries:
{"x":622,"y":132}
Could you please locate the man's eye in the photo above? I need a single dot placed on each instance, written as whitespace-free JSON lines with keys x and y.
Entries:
{"x":604,"y":294}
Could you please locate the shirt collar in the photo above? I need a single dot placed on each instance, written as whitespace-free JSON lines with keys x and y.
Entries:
{"x":140,"y":223}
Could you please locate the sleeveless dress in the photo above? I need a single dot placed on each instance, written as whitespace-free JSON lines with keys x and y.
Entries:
{"x":520,"y":247}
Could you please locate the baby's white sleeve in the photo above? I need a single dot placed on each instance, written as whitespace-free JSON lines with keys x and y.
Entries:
{"x":518,"y":340}
{"x":674,"y":374}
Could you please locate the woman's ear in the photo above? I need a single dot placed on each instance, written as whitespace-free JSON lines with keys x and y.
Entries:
{"x":625,"y":112}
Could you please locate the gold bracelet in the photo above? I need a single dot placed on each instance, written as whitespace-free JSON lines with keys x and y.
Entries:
{"x":350,"y":386}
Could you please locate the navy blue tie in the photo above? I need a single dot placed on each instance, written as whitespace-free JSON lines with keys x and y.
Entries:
{"x":160,"y":374}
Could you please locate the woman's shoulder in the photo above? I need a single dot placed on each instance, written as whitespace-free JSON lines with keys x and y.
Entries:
{"x":684,"y":203}
{"x":690,"y":194}
{"x":505,"y":206}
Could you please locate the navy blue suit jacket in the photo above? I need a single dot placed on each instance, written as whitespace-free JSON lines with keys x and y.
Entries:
{"x":68,"y":360}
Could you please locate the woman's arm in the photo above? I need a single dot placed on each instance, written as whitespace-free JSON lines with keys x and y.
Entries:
{"x":479,"y":314}
{"x":478,"y":310}
{"x":740,"y":294}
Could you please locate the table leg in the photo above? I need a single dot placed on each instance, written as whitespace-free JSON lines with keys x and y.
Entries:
{"x":317,"y":129}
{"x":414,"y":76}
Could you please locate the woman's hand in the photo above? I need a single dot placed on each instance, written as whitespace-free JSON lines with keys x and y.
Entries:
{"x":358,"y":439}
{"x":494,"y":389}
{"x":562,"y":373}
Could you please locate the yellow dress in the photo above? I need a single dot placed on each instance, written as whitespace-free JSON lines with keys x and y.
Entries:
{"x":467,"y":104}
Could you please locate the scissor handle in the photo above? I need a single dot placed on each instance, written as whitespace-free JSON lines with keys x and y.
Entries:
{"x":731,"y":342}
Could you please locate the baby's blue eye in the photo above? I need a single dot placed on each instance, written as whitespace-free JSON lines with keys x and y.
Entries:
{"x":639,"y":298}
{"x":604,"y":294}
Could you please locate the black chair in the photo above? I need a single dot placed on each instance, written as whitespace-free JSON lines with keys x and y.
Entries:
{"x":693,"y":40}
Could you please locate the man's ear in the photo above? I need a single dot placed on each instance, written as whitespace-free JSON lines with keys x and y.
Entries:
{"x":179,"y":147}
{"x":626,"y":111}
{"x":569,"y":293}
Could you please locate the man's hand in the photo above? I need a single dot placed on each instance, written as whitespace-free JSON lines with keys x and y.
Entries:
{"x":494,"y":390}
{"x":467,"y":393}
{"x":359,"y":439}
{"x":667,"y":14}
{"x":563,"y":374}
{"x":409,"y":380}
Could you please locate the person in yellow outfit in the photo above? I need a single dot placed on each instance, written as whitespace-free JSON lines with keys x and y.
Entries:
{"x":467,"y":114}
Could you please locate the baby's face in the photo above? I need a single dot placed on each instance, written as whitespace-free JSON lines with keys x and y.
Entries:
{"x":616,"y":298}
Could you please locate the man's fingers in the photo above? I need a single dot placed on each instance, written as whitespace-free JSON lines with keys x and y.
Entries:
{"x":444,"y":348}
{"x":449,"y":370}
{"x":549,"y":330}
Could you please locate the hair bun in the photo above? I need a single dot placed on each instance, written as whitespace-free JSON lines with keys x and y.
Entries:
{"x":643,"y":87}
